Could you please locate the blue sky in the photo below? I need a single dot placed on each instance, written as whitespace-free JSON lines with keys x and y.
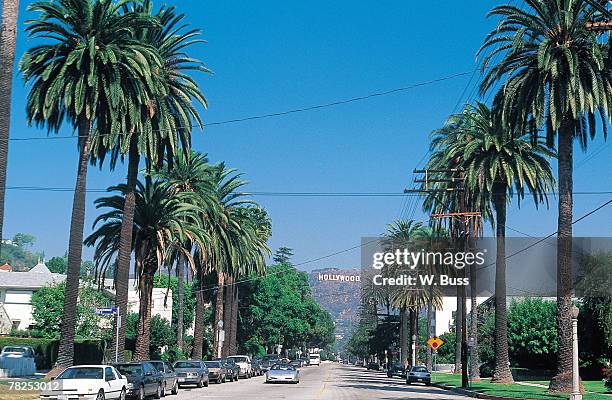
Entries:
{"x":273,"y":56}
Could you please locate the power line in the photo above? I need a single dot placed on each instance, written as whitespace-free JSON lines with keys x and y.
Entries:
{"x":279,"y":113}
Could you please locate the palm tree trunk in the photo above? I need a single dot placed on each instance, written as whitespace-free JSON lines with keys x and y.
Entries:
{"x":474,"y":362}
{"x":198,"y":330}
{"x":428,"y":353}
{"x":501,"y":373}
{"x":180,"y":288}
{"x":122,"y":275}
{"x":218,"y":312}
{"x":458,"y":337}
{"x":403,"y":337}
{"x":562,"y":382}
{"x":8,"y":38}
{"x":233,"y":348}
{"x":227,"y":314}
{"x":65,"y":356}
{"x":143,"y":328}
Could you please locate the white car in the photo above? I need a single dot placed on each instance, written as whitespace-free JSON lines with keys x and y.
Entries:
{"x":280,"y":373}
{"x":244,"y":362}
{"x":86,"y":382}
{"x":315,"y":359}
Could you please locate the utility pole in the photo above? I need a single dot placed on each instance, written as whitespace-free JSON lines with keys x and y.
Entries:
{"x":460,"y":233}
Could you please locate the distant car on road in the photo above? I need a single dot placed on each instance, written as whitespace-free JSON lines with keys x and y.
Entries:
{"x":170,"y":378}
{"x":244,"y":362}
{"x":232,"y":369}
{"x":373,"y":366}
{"x":315,"y":359}
{"x":89,"y":382}
{"x":191,"y":372}
{"x":143,"y":379}
{"x":280,"y":373}
{"x":396,"y":369}
{"x":418,"y":373}
{"x":257,"y":369}
{"x":216,"y":371}
{"x":268,"y":361}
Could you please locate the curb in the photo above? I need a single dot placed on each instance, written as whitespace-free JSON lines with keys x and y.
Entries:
{"x":471,"y":393}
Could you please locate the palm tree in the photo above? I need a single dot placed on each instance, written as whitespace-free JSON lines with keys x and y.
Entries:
{"x":552,"y":75}
{"x":163,"y":219}
{"x":88,"y":72}
{"x":8,"y":39}
{"x":165,"y":124}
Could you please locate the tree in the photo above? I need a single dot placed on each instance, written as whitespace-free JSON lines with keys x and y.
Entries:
{"x":24,"y":239}
{"x":88,"y":71}
{"x":552,"y":74}
{"x":162,"y":218}
{"x":8,"y":40}
{"x":160,"y":332}
{"x":57,"y":265}
{"x":283,"y":255}
{"x":165,"y":123}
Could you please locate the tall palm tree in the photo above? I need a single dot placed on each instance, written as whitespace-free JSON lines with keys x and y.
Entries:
{"x":499,"y":164}
{"x":165,"y":124}
{"x":163,"y":219}
{"x":552,"y":75}
{"x":89,"y":72}
{"x":8,"y":39}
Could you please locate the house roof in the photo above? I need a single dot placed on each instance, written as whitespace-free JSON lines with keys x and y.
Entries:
{"x":30,"y":280}
{"x":40,"y":268}
{"x":6,"y":267}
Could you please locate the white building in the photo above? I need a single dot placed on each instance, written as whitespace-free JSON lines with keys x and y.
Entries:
{"x":16,"y":290}
{"x":445,"y":317}
{"x":161,"y":301}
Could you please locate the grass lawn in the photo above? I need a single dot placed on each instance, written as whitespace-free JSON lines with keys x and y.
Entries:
{"x":521,"y":391}
{"x":7,"y":394}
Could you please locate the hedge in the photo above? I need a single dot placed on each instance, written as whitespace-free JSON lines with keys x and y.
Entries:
{"x":85,"y":351}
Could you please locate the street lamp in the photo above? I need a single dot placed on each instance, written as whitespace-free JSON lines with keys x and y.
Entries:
{"x":576,"y":395}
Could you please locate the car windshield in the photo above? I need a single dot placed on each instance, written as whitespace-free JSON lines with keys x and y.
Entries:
{"x":239,"y":359}
{"x":269,"y":358}
{"x":187,"y":364}
{"x":419,"y":369}
{"x":129,"y":369}
{"x":159,"y":365}
{"x":213,"y":364}
{"x":282,"y":367}
{"x":82,"y":373}
{"x":14,"y":350}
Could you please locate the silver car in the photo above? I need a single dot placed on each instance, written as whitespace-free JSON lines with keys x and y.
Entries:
{"x":283,"y":373}
{"x":418,"y":373}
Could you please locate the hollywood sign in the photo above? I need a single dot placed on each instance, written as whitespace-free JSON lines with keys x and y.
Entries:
{"x":339,"y":278}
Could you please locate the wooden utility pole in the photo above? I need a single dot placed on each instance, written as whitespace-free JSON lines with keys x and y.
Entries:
{"x":469,"y":223}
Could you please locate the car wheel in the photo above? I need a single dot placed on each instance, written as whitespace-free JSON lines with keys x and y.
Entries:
{"x":175,"y":388}
{"x":206,"y":383}
{"x":200,"y":383}
{"x":159,"y":391}
{"x":122,"y":395}
{"x":163,"y":390}
{"x":100,"y":395}
{"x":223,"y":380}
{"x":141,"y":393}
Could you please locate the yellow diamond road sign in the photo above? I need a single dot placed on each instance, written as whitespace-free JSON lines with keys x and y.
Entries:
{"x":435,"y":342}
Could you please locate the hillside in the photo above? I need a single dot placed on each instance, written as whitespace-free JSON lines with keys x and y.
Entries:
{"x":338,"y":291}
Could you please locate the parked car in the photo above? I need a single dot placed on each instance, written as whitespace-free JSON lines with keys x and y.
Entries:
{"x":297,"y":363}
{"x":170,"y":378}
{"x":191,"y":372}
{"x":17,"y":351}
{"x":418,"y":373}
{"x":268,"y":361}
{"x":216,"y":371}
{"x":396,"y":369}
{"x":283,"y":373}
{"x":233,"y":369}
{"x":244,"y":362}
{"x":143,"y":379}
{"x":373,"y":366}
{"x":256,"y":365}
{"x":315,"y":359}
{"x":305,"y":361}
{"x":87,"y":382}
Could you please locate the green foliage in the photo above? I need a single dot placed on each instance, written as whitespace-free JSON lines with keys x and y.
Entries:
{"x":446,"y":352}
{"x":86,"y":351}
{"x":253,"y":346}
{"x":283,"y":255}
{"x":162,"y":336}
{"x":48,"y":305}
{"x":23,"y":239}
{"x":19,"y":258}
{"x":58,"y":265}
{"x":279,"y":308}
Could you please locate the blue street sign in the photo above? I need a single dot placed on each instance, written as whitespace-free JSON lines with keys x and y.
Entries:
{"x":106,"y":311}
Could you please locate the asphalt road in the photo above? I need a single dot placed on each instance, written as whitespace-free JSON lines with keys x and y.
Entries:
{"x":330,"y":381}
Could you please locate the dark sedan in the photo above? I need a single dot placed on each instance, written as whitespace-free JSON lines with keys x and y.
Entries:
{"x":233,"y":369}
{"x":396,"y":369}
{"x":143,"y":379}
{"x":170,"y":377}
{"x":191,"y":372}
{"x":216,"y":371}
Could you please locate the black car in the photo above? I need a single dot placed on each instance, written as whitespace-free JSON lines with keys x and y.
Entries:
{"x":256,"y":367}
{"x":143,"y":379}
{"x":170,"y":377}
{"x":396,"y":369}
{"x":216,"y":371}
{"x":374,"y":366}
{"x":233,"y":369}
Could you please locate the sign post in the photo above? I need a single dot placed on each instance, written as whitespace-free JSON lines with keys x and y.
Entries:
{"x":112,"y":311}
